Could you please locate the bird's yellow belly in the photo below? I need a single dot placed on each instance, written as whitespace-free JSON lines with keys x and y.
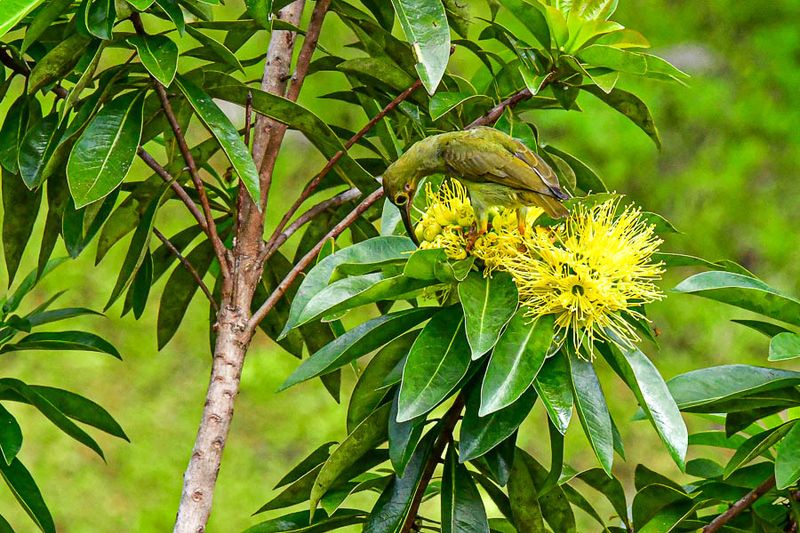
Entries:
{"x":486,"y":195}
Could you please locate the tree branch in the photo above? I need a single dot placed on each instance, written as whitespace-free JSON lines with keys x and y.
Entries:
{"x":313,"y":184}
{"x":491,"y":116}
{"x":216,"y":242}
{"x":746,"y":501}
{"x":307,"y":50}
{"x":450,"y":420}
{"x":189,"y":267}
{"x":173,"y":183}
{"x":301,"y":265}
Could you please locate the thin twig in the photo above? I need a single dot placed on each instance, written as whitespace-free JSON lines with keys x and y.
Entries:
{"x":216,"y":242}
{"x":307,"y":50}
{"x":313,"y":184}
{"x":305,"y":218}
{"x":301,"y":265}
{"x":734,"y":510}
{"x":179,"y":190}
{"x":188,"y":266}
{"x":446,"y":436}
{"x":491,"y":116}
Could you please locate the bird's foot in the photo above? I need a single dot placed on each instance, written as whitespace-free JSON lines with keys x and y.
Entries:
{"x":472,"y":237}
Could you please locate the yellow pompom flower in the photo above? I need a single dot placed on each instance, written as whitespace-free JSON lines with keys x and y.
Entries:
{"x":590,"y":273}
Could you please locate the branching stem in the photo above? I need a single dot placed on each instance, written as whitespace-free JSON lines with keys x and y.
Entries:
{"x":189,"y":268}
{"x":742,"y":504}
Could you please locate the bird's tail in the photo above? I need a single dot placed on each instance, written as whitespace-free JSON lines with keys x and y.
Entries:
{"x":552,"y":206}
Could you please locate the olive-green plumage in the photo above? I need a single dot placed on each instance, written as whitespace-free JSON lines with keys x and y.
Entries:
{"x":496,"y":169}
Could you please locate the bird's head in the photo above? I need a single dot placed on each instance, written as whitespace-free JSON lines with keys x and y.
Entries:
{"x":400,"y":184}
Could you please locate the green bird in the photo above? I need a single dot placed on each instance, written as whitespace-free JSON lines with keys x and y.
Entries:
{"x":496,"y":169}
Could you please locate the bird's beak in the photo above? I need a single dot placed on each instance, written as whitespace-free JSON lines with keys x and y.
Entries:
{"x":405,"y":214}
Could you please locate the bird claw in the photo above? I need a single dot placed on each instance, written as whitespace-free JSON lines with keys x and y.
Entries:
{"x":472,"y":236}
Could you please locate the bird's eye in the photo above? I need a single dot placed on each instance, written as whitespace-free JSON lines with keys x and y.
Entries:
{"x":401,"y":199}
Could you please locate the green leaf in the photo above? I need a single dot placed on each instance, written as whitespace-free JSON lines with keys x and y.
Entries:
{"x":585,"y":178}
{"x":356,"y":291}
{"x":592,"y":410}
{"x":174,"y":12}
{"x":369,"y":392}
{"x":523,"y":496}
{"x":57,"y":63}
{"x":552,"y":384}
{"x":425,"y":24}
{"x":100,"y":17}
{"x":227,"y":135}
{"x":81,"y":409}
{"x":36,"y":148}
{"x":179,"y":291}
{"x":756,"y":445}
{"x":42,"y":20}
{"x":298,"y":117}
{"x":10,"y":436}
{"x":20,"y":207}
{"x":662,"y":67}
{"x":443,"y":103}
{"x":654,"y":499}
{"x":783,"y":346}
{"x":24,"y":489}
{"x":158,"y":54}
{"x":403,"y":438}
{"x":301,"y":522}
{"x":532,"y":17}
{"x":369,"y":434}
{"x":709,"y":385}
{"x":648,"y":386}
{"x":138,"y":248}
{"x":629,"y":105}
{"x":105,"y":150}
{"x":297,"y":492}
{"x":489,"y":303}
{"x":392,"y":508}
{"x":787,"y":462}
{"x":598,"y":55}
{"x":357,"y":342}
{"x":63,"y":340}
{"x":261,"y":11}
{"x":611,"y":488}
{"x":516,"y":360}
{"x":12,"y":11}
{"x":215,"y":47}
{"x":22,"y":112}
{"x":481,"y":434}
{"x":745,"y":292}
{"x":766,"y":328}
{"x":314,"y":459}
{"x":462,"y":507}
{"x":438,"y":360}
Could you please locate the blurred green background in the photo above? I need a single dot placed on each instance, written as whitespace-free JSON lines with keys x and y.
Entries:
{"x":726,"y":177}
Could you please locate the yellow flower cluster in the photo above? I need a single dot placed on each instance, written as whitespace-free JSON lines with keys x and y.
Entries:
{"x":593,"y":271}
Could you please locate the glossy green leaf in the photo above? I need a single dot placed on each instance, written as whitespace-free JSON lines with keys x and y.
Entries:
{"x":297,"y":492}
{"x":57,"y":63}
{"x":611,"y":488}
{"x":137,"y":250}
{"x":369,"y":434}
{"x":745,"y":292}
{"x":301,"y":522}
{"x":81,"y":409}
{"x":215,"y":47}
{"x":392,"y":508}
{"x":648,"y":386}
{"x":590,"y":404}
{"x":403,"y":438}
{"x":599,"y":55}
{"x":20,"y":207}
{"x":787,"y":461}
{"x":36,"y":148}
{"x":438,"y":360}
{"x":158,"y":54}
{"x":489,"y":303}
{"x":462,"y":507}
{"x":105,"y":151}
{"x":368,"y":391}
{"x":261,"y":11}
{"x":227,"y":135}
{"x":533,"y":19}
{"x":10,"y":436}
{"x":314,"y":459}
{"x":784,"y":346}
{"x":15,"y":125}
{"x":298,"y":117}
{"x":585,"y":178}
{"x":516,"y":360}
{"x":523,"y":496}
{"x":479,"y":434}
{"x":425,"y":25}
{"x":12,"y":11}
{"x":654,"y":499}
{"x":24,"y":489}
{"x":708,"y":385}
{"x":443,"y":103}
{"x":756,"y":445}
{"x":42,"y":20}
{"x":552,"y":384}
{"x":662,"y":67}
{"x":629,"y":105}
{"x":174,"y":12}
{"x":63,"y":340}
{"x":766,"y":328}
{"x":100,"y":17}
{"x":357,"y":342}
{"x":179,"y":290}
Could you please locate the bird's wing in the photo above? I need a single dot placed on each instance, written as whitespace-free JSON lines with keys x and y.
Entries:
{"x":486,"y":160}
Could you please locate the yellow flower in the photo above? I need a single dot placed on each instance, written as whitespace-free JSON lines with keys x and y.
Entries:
{"x":591,"y":273}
